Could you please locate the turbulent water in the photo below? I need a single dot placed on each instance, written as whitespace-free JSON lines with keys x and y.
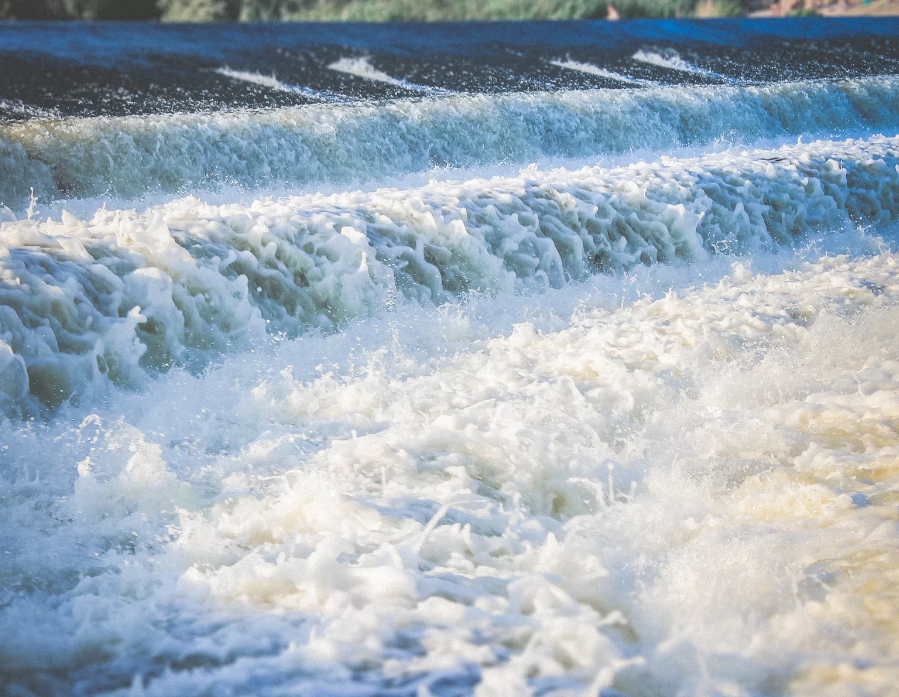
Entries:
{"x":455,"y":360}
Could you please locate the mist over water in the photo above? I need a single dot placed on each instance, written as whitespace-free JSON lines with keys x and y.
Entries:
{"x":465,"y":361}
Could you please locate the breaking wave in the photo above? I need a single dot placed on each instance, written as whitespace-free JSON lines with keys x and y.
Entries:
{"x":124,"y":295}
{"x":131,"y":156}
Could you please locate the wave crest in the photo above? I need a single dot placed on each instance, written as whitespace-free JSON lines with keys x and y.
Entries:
{"x":131,"y":156}
{"x":125,"y":295}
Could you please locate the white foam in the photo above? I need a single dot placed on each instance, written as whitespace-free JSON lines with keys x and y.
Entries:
{"x":274,"y":83}
{"x":595,"y":70}
{"x":682,"y":479}
{"x":123,"y":294}
{"x":361,"y":67}
{"x":671,"y":60}
{"x":291,"y":147}
{"x":532,"y":461}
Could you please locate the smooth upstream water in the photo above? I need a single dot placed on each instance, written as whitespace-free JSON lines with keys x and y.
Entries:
{"x":447,"y":360}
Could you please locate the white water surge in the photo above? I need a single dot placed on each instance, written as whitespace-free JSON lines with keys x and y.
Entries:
{"x":681,"y":492}
{"x":592,"y":430}
{"x":130,"y":156}
{"x":125,"y":294}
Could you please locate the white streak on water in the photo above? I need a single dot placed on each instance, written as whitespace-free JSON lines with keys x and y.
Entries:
{"x":274,"y":83}
{"x":595,"y":70}
{"x":360,"y":67}
{"x":671,"y":60}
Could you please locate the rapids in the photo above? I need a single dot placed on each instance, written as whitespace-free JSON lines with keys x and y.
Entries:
{"x":466,"y":361}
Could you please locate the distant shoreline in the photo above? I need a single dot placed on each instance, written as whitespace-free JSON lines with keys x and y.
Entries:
{"x":428,"y":10}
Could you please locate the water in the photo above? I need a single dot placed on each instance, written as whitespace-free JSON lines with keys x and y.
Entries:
{"x":450,"y":360}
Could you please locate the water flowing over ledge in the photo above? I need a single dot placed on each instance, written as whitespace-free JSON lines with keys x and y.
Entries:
{"x":125,"y":295}
{"x":281,"y":415}
{"x":601,"y":498}
{"x":134,"y":155}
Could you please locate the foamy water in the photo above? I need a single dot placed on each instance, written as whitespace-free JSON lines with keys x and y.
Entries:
{"x":133,"y":155}
{"x":594,"y":70}
{"x":614,"y":484}
{"x":671,"y":60}
{"x":123,"y":295}
{"x":274,"y":83}
{"x":362,"y":67}
{"x":324,"y":414}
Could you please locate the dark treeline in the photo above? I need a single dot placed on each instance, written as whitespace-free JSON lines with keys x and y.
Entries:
{"x":360,"y":10}
{"x":80,"y":9}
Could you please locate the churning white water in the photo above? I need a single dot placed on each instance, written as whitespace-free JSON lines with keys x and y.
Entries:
{"x":591,"y":429}
{"x":132,"y":155}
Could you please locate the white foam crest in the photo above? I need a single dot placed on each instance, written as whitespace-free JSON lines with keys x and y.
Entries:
{"x":124,"y":295}
{"x":131,"y":156}
{"x":677,"y":482}
{"x":595,"y":70}
{"x":274,"y":83}
{"x":361,"y":67}
{"x":671,"y":60}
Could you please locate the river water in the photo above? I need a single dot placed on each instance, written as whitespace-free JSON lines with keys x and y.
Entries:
{"x":446,"y":360}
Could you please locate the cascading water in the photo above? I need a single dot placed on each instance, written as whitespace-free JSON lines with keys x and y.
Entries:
{"x":325,"y":372}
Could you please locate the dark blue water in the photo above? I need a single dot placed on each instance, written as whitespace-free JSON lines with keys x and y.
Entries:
{"x":128,"y":68}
